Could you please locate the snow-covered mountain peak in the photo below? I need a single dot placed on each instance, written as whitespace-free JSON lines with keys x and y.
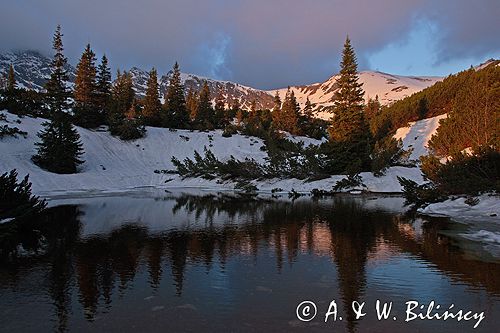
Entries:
{"x":387,"y":87}
{"x":33,"y":69}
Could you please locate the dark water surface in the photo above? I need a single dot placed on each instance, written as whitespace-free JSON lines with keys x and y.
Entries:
{"x":178,"y":262}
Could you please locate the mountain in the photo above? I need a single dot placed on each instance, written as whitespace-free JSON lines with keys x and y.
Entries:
{"x":231,"y":91}
{"x":32,"y":70}
{"x":389,"y":88}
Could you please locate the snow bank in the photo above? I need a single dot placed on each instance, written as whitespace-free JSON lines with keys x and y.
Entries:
{"x":418,"y":134}
{"x":113,"y":165}
{"x":484,"y":236}
{"x":488,"y":209}
{"x":387,"y":183}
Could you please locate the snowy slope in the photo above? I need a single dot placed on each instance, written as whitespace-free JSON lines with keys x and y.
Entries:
{"x":417,"y":135}
{"x":387,"y":87}
{"x":115,"y":165}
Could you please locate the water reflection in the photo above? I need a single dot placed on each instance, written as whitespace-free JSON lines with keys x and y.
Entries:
{"x":101,"y":253}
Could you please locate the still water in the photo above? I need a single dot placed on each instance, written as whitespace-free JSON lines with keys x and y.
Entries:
{"x":174,"y":262}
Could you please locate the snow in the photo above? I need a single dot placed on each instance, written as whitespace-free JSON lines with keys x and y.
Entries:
{"x":484,"y":236}
{"x":417,"y":134}
{"x":389,"y":88}
{"x":306,"y":140}
{"x":387,"y":183}
{"x":6,"y":220}
{"x":488,"y":209}
{"x":116,"y":166}
{"x":112,"y":165}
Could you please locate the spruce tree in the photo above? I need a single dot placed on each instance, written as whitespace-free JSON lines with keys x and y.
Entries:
{"x":11,"y":94}
{"x":205,"y":113}
{"x":349,"y":130}
{"x":308,"y":109}
{"x":86,"y":106}
{"x":221,"y":120}
{"x":239,"y":117}
{"x":192,"y":103}
{"x":104,"y":87}
{"x":11,"y":81}
{"x":288,"y":118}
{"x":277,"y":111}
{"x":60,"y":147}
{"x":124,"y":118}
{"x":57,"y":92}
{"x":152,"y":105}
{"x":372,"y":108}
{"x":122,"y":97}
{"x":236,"y":105}
{"x":176,"y":115}
{"x":123,"y":93}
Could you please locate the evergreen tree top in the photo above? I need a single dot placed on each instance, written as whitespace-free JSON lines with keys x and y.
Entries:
{"x":277,"y":102}
{"x":56,"y":85}
{"x":104,"y":76}
{"x":350,"y":92}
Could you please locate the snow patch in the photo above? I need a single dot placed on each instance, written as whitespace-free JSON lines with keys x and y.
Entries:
{"x":488,"y":209}
{"x":417,"y":134}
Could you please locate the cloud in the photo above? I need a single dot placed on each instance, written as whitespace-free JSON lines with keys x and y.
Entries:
{"x":467,"y":28}
{"x":262,"y":43}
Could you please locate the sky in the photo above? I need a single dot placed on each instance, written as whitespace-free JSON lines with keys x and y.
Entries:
{"x":265,"y":44}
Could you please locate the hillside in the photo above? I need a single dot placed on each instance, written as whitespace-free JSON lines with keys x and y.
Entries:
{"x":115,"y":165}
{"x":471,"y":97}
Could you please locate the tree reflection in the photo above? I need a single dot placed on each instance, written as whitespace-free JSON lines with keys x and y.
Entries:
{"x":104,"y":265}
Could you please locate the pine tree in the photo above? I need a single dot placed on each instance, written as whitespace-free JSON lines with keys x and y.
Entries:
{"x":349,"y":129}
{"x":124,"y":112}
{"x":152,"y":105}
{"x":253,"y":122}
{"x":253,"y":106}
{"x":11,"y":81}
{"x":122,"y":98}
{"x":175,"y":104}
{"x":57,"y":92}
{"x":308,"y":109}
{"x":239,"y":117}
{"x":60,"y":147}
{"x":86,"y":107}
{"x":11,"y":94}
{"x":288,"y":118}
{"x":236,"y":106}
{"x":123,"y":93}
{"x":277,"y":111}
{"x":192,"y":103}
{"x":221,"y":120}
{"x":372,"y":108}
{"x":205,"y":113}
{"x":104,"y":87}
